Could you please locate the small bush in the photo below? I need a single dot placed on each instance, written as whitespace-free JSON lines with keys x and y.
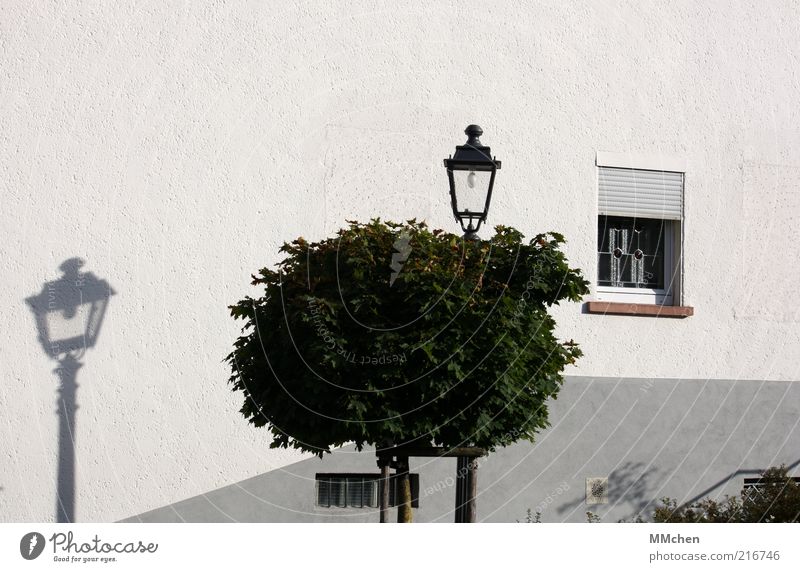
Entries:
{"x":776,"y":499}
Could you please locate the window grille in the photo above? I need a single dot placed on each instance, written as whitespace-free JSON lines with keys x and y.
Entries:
{"x":753,"y":486}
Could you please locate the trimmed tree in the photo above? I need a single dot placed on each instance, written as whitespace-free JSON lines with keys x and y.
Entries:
{"x":395,"y":333}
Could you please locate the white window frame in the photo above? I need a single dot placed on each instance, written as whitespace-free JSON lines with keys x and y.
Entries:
{"x":673,"y":234}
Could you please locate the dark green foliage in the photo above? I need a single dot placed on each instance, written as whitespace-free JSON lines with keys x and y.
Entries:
{"x":777,"y":499}
{"x":706,"y":510}
{"x":448,"y":343}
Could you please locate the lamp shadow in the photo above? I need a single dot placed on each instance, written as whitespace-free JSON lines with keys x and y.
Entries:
{"x":69,"y":313}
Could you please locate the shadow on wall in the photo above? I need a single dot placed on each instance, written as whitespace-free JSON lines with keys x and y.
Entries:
{"x":69,"y":312}
{"x":628,"y":486}
{"x":724,"y":481}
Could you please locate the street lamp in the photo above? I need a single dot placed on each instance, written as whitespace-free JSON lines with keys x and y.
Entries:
{"x":68,"y":313}
{"x":471,"y":173}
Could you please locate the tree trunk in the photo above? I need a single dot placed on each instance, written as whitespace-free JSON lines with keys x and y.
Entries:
{"x":384,"y":490}
{"x":471,"y":511}
{"x":404,"y":513}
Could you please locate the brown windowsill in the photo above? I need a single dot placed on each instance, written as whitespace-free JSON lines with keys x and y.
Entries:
{"x":625,"y":309}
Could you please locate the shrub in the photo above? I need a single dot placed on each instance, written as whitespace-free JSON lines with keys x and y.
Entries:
{"x":775,"y":499}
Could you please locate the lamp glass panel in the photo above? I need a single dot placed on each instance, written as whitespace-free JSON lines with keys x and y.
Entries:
{"x":471,"y":189}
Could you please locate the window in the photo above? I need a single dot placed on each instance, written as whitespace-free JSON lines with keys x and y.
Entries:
{"x":638,"y":235}
{"x":754,"y":486}
{"x":359,"y":490}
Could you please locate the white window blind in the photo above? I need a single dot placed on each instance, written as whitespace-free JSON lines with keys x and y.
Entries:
{"x":640,"y":193}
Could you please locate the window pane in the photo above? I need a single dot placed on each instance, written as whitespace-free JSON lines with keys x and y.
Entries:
{"x":323,"y":492}
{"x":355,"y":492}
{"x":337,"y":491}
{"x":370,"y":497}
{"x":630,"y":252}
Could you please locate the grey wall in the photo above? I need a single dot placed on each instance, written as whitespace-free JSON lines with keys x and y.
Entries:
{"x":652,"y":438}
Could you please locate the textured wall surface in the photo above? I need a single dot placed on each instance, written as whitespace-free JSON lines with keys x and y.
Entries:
{"x":174,"y":146}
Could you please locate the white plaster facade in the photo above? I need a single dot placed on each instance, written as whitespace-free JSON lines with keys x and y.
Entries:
{"x":174,"y":146}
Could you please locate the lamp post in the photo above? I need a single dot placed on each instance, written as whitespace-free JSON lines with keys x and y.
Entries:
{"x":69,"y":313}
{"x":471,"y":172}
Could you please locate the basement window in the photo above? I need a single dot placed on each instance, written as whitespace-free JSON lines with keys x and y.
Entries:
{"x":358,"y":490}
{"x":754,"y":486}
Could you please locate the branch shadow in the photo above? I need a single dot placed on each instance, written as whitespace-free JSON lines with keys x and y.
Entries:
{"x":628,"y":487}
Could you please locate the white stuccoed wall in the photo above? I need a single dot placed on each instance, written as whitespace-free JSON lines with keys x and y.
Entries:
{"x":175,"y":146}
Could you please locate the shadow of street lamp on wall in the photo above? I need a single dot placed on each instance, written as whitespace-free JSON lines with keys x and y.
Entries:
{"x":69,"y":312}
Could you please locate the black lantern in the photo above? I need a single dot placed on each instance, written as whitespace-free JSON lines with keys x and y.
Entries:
{"x":471,"y":172}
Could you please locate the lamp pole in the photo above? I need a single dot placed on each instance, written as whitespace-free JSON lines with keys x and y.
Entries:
{"x":470,"y":171}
